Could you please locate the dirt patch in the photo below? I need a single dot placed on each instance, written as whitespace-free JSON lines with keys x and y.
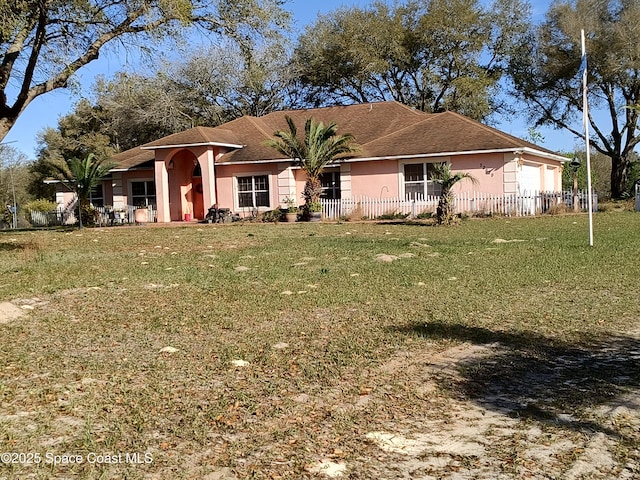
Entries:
{"x":506,"y":432}
{"x":9,"y":312}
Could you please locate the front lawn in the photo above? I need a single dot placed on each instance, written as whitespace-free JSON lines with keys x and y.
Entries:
{"x":292,"y":343}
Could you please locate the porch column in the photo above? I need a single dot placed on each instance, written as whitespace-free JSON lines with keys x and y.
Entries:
{"x":345,"y":180}
{"x":286,"y":184}
{"x":206,"y":160}
{"x":118,"y":191}
{"x":510,"y":175}
{"x":162,"y":190}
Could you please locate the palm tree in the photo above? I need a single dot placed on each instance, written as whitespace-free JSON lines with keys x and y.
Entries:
{"x":442,"y":175}
{"x":82,"y":176}
{"x":321,"y":146}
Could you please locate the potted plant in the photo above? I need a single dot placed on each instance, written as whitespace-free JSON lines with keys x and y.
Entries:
{"x":291,"y":210}
{"x":141,"y":215}
{"x":315,"y":211}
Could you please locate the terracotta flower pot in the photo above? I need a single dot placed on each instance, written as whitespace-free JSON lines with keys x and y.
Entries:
{"x":141,"y":215}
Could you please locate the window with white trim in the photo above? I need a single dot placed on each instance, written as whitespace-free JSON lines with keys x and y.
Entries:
{"x":143,"y":194}
{"x":330,"y":184}
{"x":417,"y":181}
{"x":96,"y":196}
{"x":253,"y":191}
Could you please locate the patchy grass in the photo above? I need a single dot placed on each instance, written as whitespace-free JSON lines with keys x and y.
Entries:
{"x":338,"y":343}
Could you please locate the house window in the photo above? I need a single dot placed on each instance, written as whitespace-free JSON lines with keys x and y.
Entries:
{"x":330,"y":185}
{"x":96,"y":197}
{"x":253,"y":191}
{"x":417,"y":181}
{"x":143,"y":194}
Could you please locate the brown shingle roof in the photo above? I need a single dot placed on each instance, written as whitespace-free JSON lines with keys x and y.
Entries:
{"x":197,"y":136}
{"x":132,"y":158}
{"x":384,"y":129}
{"x":446,"y":132}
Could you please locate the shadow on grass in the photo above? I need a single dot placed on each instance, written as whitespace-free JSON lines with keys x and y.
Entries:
{"x":426,"y":222}
{"x":11,"y":247}
{"x":530,"y":376}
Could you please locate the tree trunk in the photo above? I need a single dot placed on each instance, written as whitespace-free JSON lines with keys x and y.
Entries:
{"x":5,"y":125}
{"x":444,"y":212}
{"x":312,"y":190}
{"x":619,"y":176}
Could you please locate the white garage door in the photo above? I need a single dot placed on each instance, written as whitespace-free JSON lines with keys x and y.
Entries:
{"x":529,"y":179}
{"x":529,"y":188}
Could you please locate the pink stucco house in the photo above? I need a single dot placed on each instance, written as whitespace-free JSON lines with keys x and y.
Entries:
{"x":183,"y":174}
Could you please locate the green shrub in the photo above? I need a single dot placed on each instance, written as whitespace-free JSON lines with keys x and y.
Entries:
{"x":40,"y":205}
{"x":273,"y":215}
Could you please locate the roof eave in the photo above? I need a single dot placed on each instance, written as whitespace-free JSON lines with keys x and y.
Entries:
{"x":514,"y":150}
{"x":540,"y":153}
{"x":248,"y":162}
{"x":186,"y":145}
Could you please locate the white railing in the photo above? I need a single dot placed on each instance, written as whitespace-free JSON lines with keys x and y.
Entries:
{"x":475,"y":203}
{"x":104,"y":216}
{"x":367,"y":207}
{"x":46,"y":219}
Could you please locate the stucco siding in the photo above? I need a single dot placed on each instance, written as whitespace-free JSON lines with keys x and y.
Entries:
{"x":227,"y":184}
{"x":377,"y":179}
{"x":487,"y":169}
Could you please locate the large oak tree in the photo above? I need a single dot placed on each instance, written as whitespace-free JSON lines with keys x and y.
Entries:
{"x":546,"y":76}
{"x":209,"y":87}
{"x":434,"y":55}
{"x":43,"y":43}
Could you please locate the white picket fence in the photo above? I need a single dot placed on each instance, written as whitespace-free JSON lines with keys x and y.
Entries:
{"x":105,"y":216}
{"x":475,"y":203}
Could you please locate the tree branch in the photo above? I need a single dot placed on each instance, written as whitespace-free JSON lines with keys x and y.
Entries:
{"x":27,"y":94}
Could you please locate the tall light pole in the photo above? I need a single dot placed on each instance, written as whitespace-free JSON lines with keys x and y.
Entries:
{"x":79,"y":206}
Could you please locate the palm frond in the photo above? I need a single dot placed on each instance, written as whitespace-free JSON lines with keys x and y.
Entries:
{"x":443,"y":176}
{"x":320,"y":146}
{"x":81,"y":175}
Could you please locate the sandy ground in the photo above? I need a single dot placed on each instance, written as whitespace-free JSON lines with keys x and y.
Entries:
{"x":519,"y":416}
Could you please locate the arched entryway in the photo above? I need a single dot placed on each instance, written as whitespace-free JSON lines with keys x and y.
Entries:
{"x":198,"y":199}
{"x":185,"y":187}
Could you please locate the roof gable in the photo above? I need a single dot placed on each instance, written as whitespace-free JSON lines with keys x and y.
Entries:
{"x":196,"y":136}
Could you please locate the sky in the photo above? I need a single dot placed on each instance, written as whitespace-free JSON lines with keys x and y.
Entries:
{"x":45,"y":110}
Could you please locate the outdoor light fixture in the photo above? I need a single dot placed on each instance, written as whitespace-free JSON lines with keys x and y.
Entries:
{"x":575,"y":163}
